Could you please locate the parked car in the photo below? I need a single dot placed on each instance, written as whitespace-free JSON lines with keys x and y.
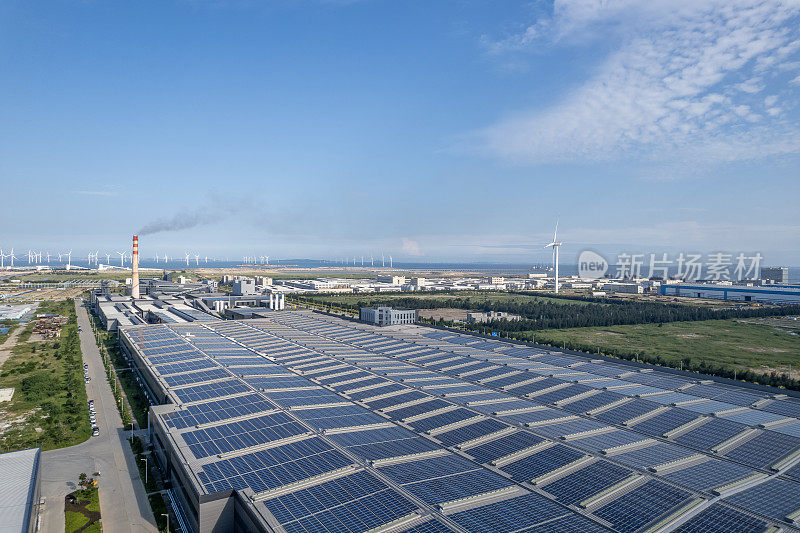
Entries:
{"x":95,"y":431}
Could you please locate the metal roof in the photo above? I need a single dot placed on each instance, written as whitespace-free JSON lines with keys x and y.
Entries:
{"x":19,"y":472}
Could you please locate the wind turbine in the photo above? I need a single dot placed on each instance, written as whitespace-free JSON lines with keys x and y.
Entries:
{"x":69,"y":259}
{"x":197,"y":259}
{"x":12,"y":258}
{"x":390,"y":261}
{"x":206,"y":259}
{"x":108,"y":258}
{"x":121,"y":258}
{"x":2,"y":259}
{"x":30,"y":256}
{"x":187,"y":259}
{"x":555,"y":244}
{"x":383,"y":260}
{"x":165,"y":258}
{"x":48,"y":258}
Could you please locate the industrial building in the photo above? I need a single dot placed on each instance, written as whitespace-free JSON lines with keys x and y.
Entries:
{"x":744,"y":293}
{"x":778,"y":275}
{"x":20,"y":491}
{"x":387,"y":316}
{"x":305,"y":422}
{"x":474,"y":318}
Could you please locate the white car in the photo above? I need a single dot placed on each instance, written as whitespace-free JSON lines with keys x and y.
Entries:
{"x":95,"y":431}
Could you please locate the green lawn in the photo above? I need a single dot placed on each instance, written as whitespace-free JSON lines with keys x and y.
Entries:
{"x":74,"y":521}
{"x":49,"y":405}
{"x":730,"y":343}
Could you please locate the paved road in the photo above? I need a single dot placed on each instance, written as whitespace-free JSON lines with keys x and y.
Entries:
{"x":123,"y":501}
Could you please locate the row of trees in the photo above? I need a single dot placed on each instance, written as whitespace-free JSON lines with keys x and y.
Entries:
{"x":544,"y":313}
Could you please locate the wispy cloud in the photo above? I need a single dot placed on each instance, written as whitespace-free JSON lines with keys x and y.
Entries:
{"x":98,"y":192}
{"x":685,"y":84}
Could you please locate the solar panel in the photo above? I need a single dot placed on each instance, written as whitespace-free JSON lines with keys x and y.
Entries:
{"x":664,"y":422}
{"x":713,"y":432}
{"x":470,"y":432}
{"x":503,"y":446}
{"x":775,"y":498}
{"x":242,"y":434}
{"x":358,"y":502}
{"x":784,"y":407}
{"x":510,"y":515}
{"x":653,"y":455}
{"x":720,"y":518}
{"x":586,"y":482}
{"x":765,"y":449}
{"x":271,"y":468}
{"x":627,"y":411}
{"x":709,"y":475}
{"x":216,"y":410}
{"x":207,"y":391}
{"x":641,"y":506}
{"x":540,"y":463}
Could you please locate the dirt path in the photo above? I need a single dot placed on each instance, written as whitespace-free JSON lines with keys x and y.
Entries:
{"x":11,"y":341}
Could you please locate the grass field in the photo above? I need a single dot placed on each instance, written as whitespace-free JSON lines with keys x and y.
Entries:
{"x":48,"y":408}
{"x":731,"y":343}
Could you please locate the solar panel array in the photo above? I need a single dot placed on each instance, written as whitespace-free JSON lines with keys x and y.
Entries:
{"x":340,"y":426}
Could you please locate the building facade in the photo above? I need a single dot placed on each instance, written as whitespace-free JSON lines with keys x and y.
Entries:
{"x":386,"y":316}
{"x":778,"y":275}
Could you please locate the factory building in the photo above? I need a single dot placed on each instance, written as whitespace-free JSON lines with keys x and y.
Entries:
{"x":305,"y":422}
{"x":762,"y":294}
{"x":474,"y":318}
{"x":392,"y":280}
{"x":20,"y":492}
{"x":387,"y":316}
{"x":244,"y":287}
{"x":627,"y":288}
{"x":778,"y":275}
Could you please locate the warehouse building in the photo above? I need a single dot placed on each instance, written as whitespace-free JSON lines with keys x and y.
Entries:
{"x":20,"y":491}
{"x":744,"y":293}
{"x":305,"y":422}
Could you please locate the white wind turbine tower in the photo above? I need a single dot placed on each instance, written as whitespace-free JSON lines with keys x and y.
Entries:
{"x":206,"y":259}
{"x":12,"y":257}
{"x":3,"y":258}
{"x":187,"y":259}
{"x":390,"y":261}
{"x":383,"y":260}
{"x":69,"y":259}
{"x":121,"y":258}
{"x":165,"y":258}
{"x":555,"y":244}
{"x":48,"y":258}
{"x":30,"y":256}
{"x":197,"y":259}
{"x":108,"y":259}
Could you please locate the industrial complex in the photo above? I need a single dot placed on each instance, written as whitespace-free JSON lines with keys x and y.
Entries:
{"x":299,"y":421}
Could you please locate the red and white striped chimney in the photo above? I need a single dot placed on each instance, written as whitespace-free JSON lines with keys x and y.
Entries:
{"x":135,"y":265}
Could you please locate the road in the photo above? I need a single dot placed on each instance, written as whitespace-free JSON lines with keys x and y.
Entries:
{"x":123,"y":501}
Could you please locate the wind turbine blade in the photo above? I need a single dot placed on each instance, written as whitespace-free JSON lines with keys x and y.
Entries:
{"x":555,"y":233}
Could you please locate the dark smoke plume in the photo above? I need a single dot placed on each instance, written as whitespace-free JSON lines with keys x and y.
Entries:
{"x":182,"y":220}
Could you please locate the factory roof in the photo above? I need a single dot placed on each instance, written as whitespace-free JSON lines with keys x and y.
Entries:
{"x":17,"y":491}
{"x":325,"y":424}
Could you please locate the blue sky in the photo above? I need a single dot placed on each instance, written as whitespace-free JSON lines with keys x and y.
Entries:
{"x":433,"y":131}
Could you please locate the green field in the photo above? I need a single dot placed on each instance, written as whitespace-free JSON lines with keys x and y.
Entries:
{"x":730,"y":343}
{"x":49,"y":404}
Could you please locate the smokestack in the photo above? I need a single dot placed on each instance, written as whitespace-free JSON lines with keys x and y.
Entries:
{"x":135,"y":265}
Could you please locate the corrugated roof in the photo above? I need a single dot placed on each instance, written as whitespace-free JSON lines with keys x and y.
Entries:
{"x":19,"y":471}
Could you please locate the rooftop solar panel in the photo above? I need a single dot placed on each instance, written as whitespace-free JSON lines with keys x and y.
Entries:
{"x":642,"y":506}
{"x":514,"y":514}
{"x":588,"y":481}
{"x":720,"y":518}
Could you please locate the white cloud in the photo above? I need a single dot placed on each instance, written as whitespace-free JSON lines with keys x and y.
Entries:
{"x":681,"y":85}
{"x":411,"y":247}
